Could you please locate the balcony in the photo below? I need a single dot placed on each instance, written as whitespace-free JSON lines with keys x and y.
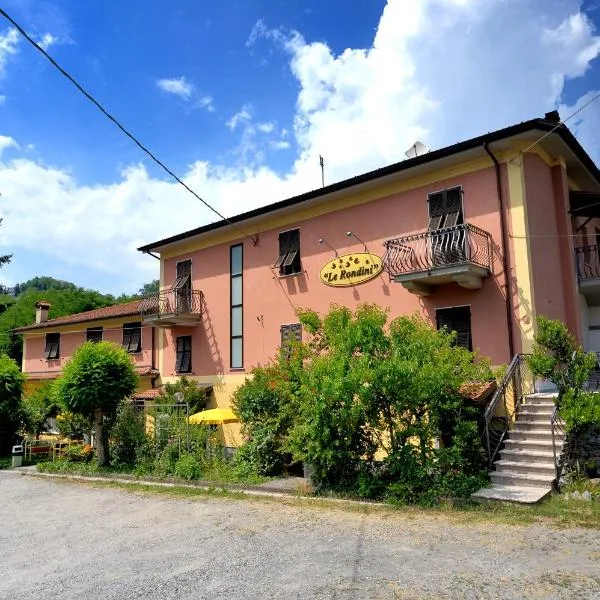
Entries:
{"x":174,"y":306}
{"x":587,"y":259}
{"x":461,"y":254}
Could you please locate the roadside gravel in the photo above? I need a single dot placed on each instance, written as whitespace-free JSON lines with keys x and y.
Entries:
{"x":66,"y":540}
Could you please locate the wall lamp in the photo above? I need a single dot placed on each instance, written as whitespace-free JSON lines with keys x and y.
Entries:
{"x":352,"y":234}
{"x":324,"y":241}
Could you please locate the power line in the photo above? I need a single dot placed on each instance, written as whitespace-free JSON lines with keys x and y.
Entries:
{"x":105,"y":112}
{"x":563,"y":122}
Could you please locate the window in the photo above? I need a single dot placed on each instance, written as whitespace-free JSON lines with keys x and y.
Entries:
{"x":183,"y":286}
{"x":94,"y":334}
{"x":132,"y":337}
{"x":445,"y":208}
{"x":52,"y":349}
{"x":288,"y":262}
{"x":289,"y":334}
{"x":183,"y":359}
{"x":236,"y":261}
{"x":456,"y":319}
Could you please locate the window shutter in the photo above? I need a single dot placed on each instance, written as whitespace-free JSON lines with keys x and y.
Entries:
{"x":436,"y":210}
{"x":136,"y":340}
{"x":290,"y":334}
{"x":453,"y":207}
{"x":183,"y":360}
{"x":459,"y":320}
{"x":52,"y":347}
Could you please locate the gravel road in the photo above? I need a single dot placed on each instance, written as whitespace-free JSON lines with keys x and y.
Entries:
{"x":68,"y":540}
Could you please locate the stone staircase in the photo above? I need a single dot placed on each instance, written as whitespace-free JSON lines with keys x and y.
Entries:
{"x":525,"y":470}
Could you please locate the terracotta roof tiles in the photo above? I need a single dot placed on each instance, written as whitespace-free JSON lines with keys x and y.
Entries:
{"x":108,"y":312}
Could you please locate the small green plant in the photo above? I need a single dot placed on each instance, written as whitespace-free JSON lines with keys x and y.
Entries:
{"x":188,"y":467}
{"x":164,"y":463}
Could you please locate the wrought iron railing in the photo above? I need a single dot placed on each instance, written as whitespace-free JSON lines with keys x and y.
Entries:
{"x":437,"y":249}
{"x":502,"y":410}
{"x":173,"y":301}
{"x":587,"y":260}
{"x":559,"y":444}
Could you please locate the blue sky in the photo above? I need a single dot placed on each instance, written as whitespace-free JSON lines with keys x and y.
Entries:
{"x":240,"y":98}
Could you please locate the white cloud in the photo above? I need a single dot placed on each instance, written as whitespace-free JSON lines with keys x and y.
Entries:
{"x":7,"y":142}
{"x":47,"y":40}
{"x":179,"y":87}
{"x":206,"y":102}
{"x":242,"y":116}
{"x":2,"y":99}
{"x":9,"y":41}
{"x":484,"y":65}
{"x":265,"y":127}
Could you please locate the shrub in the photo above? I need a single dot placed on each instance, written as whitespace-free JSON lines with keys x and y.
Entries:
{"x":164,"y":463}
{"x":39,"y":406}
{"x":12,"y":414}
{"x":73,"y":426}
{"x":558,"y":358}
{"x":188,"y":467}
{"x":127,"y":434}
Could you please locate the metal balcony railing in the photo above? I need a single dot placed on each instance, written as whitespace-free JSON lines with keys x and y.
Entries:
{"x":438,"y":249}
{"x":587,"y":259}
{"x":171,"y":302}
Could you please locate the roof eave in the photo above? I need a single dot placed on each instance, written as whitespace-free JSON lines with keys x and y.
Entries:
{"x":405,"y":165}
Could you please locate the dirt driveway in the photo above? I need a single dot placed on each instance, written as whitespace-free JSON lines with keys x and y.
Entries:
{"x":66,"y":540}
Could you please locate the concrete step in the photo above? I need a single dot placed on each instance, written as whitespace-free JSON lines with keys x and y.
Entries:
{"x":511,"y":493}
{"x":536,"y":409}
{"x":542,"y":396}
{"x":510,"y":467}
{"x":522,"y":479}
{"x":539,"y":417}
{"x":534,"y":435}
{"x":525,"y":456}
{"x":532,"y":426}
{"x":537,"y":445}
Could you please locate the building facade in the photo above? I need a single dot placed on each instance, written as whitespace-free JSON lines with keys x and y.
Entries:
{"x":481,"y":237}
{"x":49,"y":343}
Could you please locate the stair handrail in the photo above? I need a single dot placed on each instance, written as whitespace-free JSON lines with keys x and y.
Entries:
{"x":557,"y":426}
{"x":494,"y":436}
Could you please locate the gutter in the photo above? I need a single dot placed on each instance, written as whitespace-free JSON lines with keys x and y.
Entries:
{"x":505,"y":244}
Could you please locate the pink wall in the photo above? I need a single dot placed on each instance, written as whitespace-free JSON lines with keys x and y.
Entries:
{"x":543,"y":232}
{"x":35,"y":343}
{"x":269,"y":300}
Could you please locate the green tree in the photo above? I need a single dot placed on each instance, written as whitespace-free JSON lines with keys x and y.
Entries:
{"x":39,"y":406}
{"x":191,"y":394}
{"x":64,"y":302}
{"x":558,"y":357}
{"x":149,"y":288}
{"x":395,"y":388}
{"x":4,"y":258}
{"x":93,"y":383}
{"x":11,"y":408}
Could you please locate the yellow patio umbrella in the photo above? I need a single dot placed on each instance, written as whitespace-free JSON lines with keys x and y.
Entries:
{"x":214,"y":416}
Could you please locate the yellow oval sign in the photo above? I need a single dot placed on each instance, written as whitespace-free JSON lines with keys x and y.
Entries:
{"x":351,"y":269}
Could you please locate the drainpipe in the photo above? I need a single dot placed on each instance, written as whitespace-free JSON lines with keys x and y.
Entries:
{"x":505,"y":244}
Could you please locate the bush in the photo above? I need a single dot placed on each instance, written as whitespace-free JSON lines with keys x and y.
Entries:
{"x":12,"y":414}
{"x":558,"y":358}
{"x":164,"y":463}
{"x":73,"y":426}
{"x":188,"y":467}
{"x":127,"y":435}
{"x":580,"y":412}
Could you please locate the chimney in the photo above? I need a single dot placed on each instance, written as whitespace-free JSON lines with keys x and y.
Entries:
{"x":41,"y":311}
{"x":552,"y":117}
